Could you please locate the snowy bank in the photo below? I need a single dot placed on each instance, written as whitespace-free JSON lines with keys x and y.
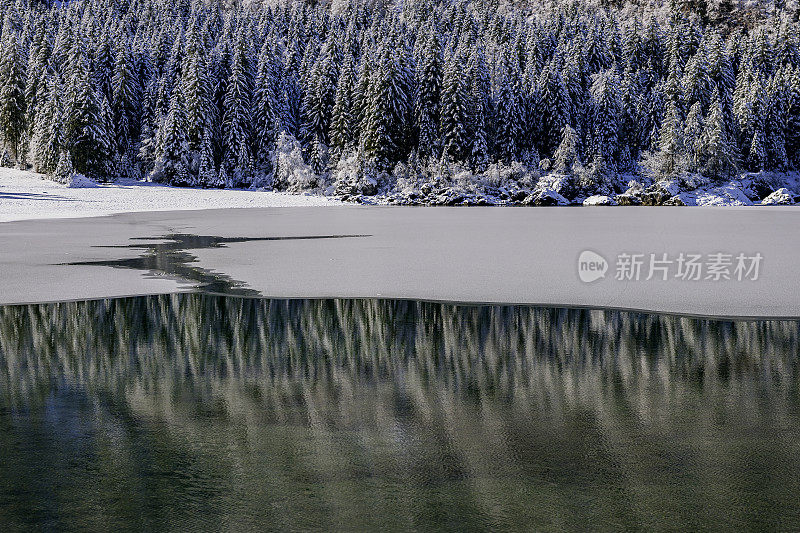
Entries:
{"x":27,"y":195}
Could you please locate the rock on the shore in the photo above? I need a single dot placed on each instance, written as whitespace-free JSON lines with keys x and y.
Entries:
{"x":780,"y":197}
{"x":628,"y":198}
{"x":681,"y":199}
{"x":759,"y":186}
{"x":724,"y":195}
{"x":659,"y":193}
{"x":599,"y":199}
{"x":545,"y":198}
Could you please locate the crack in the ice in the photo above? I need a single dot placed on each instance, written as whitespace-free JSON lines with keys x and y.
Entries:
{"x":170,"y":258}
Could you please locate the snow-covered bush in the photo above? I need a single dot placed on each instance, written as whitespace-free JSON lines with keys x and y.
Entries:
{"x":513,"y":174}
{"x":291,"y":173}
{"x":567,"y":155}
{"x":356,"y":175}
{"x":79,"y":181}
{"x":64,"y":170}
{"x":694,"y":181}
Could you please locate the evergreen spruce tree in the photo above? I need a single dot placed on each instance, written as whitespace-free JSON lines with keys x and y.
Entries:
{"x":171,"y":156}
{"x":388,"y":105}
{"x":207,"y":174}
{"x":12,"y":94}
{"x":757,"y":155}
{"x":48,"y":135}
{"x":269,"y":113}
{"x":567,"y":155}
{"x":428,"y":95}
{"x":85,"y":129}
{"x":478,"y":110}
{"x":776,"y":122}
{"x":223,"y":177}
{"x":103,"y":67}
{"x":342,"y":133}
{"x":606,"y":111}
{"x":508,"y":115}
{"x":319,"y":100}
{"x":125,"y":102}
{"x":238,"y":106}
{"x":195,"y":88}
{"x":696,"y":83}
{"x":38,"y":72}
{"x":454,"y":118}
{"x":792,"y":132}
{"x":670,"y":159}
{"x":242,"y":175}
{"x":692,"y":136}
{"x":553,"y":109}
{"x":717,"y":150}
{"x":64,"y":171}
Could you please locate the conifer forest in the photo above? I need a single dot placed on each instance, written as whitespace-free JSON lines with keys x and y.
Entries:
{"x":367,"y":97}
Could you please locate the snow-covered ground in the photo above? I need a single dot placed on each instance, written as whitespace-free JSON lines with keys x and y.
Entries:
{"x":27,"y":195}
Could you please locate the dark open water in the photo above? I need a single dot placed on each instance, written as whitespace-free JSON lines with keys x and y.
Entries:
{"x":194,"y":411}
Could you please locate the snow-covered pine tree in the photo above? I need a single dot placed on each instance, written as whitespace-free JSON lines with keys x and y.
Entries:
{"x":553,"y":110}
{"x":454,"y":118}
{"x":238,"y":106}
{"x":670,"y":160}
{"x":718,"y":154}
{"x":195,"y":87}
{"x":428,"y":93}
{"x":792,"y":85}
{"x":320,"y":98}
{"x":760,"y":55}
{"x":388,"y":102}
{"x":567,"y":155}
{"x":606,"y":105}
{"x":207,"y":174}
{"x":64,"y":171}
{"x":103,"y":66}
{"x":720,"y":69}
{"x":85,"y":127}
{"x":692,"y":136}
{"x":125,"y":101}
{"x":757,"y":154}
{"x":776,"y":102}
{"x":508,"y":109}
{"x":696,"y":84}
{"x":12,"y":93}
{"x":48,"y":135}
{"x":171,"y":156}
{"x":478,"y":109}
{"x":242,"y":175}
{"x":342,"y":134}
{"x":223,"y":176}
{"x":37,"y":74}
{"x":269,"y":112}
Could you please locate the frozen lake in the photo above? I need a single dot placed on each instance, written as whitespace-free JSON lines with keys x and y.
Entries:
{"x":508,"y":255}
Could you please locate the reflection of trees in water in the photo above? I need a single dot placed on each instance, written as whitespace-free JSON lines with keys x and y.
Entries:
{"x":549,"y":415}
{"x":496,"y":350}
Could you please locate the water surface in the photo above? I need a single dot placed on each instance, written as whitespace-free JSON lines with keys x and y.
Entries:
{"x":196,"y":411}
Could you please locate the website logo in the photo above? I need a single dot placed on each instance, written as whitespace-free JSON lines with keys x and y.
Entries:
{"x":591,"y":266}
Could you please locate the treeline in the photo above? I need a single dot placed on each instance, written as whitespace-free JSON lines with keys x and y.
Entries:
{"x":197,"y":93}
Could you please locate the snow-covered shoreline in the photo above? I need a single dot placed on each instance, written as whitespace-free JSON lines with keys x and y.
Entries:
{"x":27,"y":195}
